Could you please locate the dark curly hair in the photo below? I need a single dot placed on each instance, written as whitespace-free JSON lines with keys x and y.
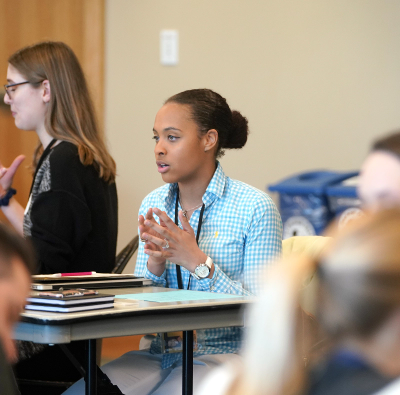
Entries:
{"x":211,"y":111}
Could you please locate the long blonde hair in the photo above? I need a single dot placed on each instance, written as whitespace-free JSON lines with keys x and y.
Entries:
{"x":359,"y":288}
{"x":71,"y":115}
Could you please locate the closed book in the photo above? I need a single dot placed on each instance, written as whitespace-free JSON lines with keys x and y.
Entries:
{"x":70,"y":300}
{"x":94,"y":281}
{"x":69,"y":308}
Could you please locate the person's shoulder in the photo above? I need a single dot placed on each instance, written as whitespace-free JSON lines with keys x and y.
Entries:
{"x":67,"y":172}
{"x":246,"y":194}
{"x":155,"y":197}
{"x":64,"y":155}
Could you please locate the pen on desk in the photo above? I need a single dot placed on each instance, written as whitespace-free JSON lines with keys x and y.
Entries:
{"x":71,"y":274}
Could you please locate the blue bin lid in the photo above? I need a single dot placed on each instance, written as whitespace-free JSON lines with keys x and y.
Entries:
{"x":343,"y":189}
{"x":314,"y":182}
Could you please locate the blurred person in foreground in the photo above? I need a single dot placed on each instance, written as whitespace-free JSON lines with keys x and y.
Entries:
{"x":358,"y":307}
{"x":379,"y":185}
{"x":16,"y":266}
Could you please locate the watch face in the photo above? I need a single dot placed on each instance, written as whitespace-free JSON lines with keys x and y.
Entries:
{"x":202,"y":271}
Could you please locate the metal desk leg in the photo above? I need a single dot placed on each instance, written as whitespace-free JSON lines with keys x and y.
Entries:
{"x":91,"y":369}
{"x":187,"y":363}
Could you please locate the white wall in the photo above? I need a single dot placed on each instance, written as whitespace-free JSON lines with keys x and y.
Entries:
{"x":317,"y":79}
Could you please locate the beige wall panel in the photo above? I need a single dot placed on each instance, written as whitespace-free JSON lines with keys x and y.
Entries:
{"x":318,"y":80}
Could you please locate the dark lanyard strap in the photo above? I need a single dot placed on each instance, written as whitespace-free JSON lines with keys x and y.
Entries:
{"x":178,"y":268}
{"x":42,"y":158}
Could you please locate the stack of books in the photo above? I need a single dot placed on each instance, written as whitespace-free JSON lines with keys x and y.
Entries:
{"x":69,"y":301}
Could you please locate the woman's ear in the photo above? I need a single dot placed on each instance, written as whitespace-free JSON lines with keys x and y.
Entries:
{"x":46,"y":91}
{"x":210,"y":140}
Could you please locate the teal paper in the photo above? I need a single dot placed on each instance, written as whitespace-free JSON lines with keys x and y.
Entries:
{"x":176,"y":296}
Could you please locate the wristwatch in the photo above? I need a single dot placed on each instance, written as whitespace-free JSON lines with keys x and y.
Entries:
{"x":203,"y":269}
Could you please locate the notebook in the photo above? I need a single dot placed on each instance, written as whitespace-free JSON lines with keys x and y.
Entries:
{"x":69,"y":309}
{"x":94,"y":281}
{"x":73,"y":300}
{"x":67,"y":301}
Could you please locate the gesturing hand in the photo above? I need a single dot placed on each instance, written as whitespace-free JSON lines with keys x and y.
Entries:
{"x":157,"y":263}
{"x":7,"y":174}
{"x":182,"y":247}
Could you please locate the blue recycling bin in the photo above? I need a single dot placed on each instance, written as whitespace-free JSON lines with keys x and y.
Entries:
{"x":303,"y":202}
{"x":344,"y":201}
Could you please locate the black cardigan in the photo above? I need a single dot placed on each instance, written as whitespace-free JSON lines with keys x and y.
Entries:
{"x":72,"y":216}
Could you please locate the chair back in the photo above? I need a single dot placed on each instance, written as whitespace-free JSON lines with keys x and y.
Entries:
{"x":125,"y":255}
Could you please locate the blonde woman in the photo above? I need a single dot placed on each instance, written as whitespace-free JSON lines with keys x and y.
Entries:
{"x":71,"y":217}
{"x":358,"y":301}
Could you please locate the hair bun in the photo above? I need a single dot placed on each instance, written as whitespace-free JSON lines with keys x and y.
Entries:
{"x":240,"y":131}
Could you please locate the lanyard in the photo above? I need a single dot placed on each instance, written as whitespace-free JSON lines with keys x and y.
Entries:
{"x":178,"y":268}
{"x":42,"y":158}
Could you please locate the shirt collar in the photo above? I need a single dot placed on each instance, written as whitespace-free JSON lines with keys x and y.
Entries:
{"x":216,"y":186}
{"x":214,"y":190}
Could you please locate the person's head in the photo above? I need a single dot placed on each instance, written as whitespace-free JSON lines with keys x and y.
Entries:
{"x":357,"y":299}
{"x":192,"y":128}
{"x":56,"y":95}
{"x":360,"y":276}
{"x":17,"y":263}
{"x":380,"y":174}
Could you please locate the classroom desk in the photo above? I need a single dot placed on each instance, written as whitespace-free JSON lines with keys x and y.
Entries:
{"x":132,"y":318}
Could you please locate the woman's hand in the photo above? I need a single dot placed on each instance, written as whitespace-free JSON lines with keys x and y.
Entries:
{"x":177,"y":245}
{"x":7,"y":174}
{"x":155,"y":264}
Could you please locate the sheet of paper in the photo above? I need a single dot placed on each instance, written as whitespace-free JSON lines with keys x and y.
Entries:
{"x":175,"y":296}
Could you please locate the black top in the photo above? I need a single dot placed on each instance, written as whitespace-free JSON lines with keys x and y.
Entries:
{"x":72,"y":216}
{"x":346,"y":374}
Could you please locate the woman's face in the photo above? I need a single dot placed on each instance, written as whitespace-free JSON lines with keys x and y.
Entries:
{"x":26,"y":102}
{"x":379,"y":185}
{"x":180,"y":151}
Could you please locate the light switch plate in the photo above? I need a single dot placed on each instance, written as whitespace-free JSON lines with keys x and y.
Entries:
{"x":169,"y":47}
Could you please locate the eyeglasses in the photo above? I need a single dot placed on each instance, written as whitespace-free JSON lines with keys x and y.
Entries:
{"x":6,"y":87}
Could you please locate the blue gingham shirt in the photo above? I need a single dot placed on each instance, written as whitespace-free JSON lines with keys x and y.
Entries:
{"x":241,"y":232}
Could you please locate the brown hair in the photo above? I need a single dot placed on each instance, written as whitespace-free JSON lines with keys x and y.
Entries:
{"x":389,"y":143}
{"x":211,"y":111}
{"x":71,"y":115}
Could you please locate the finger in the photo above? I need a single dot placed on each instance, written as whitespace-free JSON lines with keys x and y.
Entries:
{"x":151,"y":246}
{"x":155,"y":240}
{"x":140,"y":225}
{"x":149,"y":214}
{"x":185,"y":223}
{"x":17,"y":161}
{"x":155,"y":254}
{"x":145,"y":228}
{"x":3,"y":171}
{"x":162,"y":232}
{"x":167,"y":221}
